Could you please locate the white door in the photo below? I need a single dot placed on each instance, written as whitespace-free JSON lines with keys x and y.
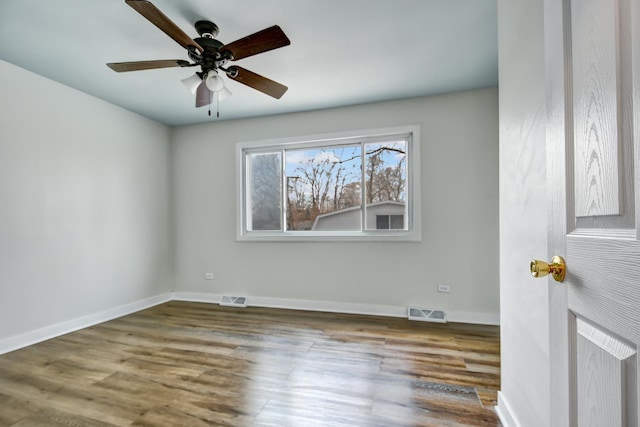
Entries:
{"x":593,"y":138}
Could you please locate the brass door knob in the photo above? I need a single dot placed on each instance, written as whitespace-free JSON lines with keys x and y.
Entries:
{"x":556,"y":268}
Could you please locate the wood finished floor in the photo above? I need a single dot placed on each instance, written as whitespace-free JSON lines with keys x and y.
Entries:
{"x":191,"y":364}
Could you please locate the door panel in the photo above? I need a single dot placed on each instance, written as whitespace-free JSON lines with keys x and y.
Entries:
{"x":595,"y":53}
{"x":593,"y":90}
{"x":599,"y":58}
{"x":605,"y":363}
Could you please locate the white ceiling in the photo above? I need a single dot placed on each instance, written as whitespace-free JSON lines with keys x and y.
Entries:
{"x":342,"y":52}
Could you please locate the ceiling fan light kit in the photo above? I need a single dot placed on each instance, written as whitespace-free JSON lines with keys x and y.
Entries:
{"x":224,"y":94}
{"x":211,"y":55}
{"x":192,"y":82}
{"x":214,"y":82}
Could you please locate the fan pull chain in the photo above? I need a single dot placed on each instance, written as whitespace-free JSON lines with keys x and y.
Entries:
{"x":217,"y":103}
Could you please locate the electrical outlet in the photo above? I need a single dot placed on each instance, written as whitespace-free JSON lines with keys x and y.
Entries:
{"x":444,"y":288}
{"x":208,"y":276}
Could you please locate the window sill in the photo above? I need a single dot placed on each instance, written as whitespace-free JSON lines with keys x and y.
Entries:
{"x":311,"y":236}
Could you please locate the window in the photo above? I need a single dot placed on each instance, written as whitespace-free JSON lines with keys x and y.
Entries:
{"x":352,"y":186}
{"x":389,"y":222}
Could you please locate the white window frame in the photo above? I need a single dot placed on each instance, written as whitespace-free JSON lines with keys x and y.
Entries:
{"x":414,"y":218}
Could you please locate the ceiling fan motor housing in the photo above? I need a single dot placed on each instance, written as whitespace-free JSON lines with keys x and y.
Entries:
{"x":211,"y":58}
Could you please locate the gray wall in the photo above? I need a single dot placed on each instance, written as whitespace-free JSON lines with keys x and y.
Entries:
{"x":84,"y":204}
{"x":459,"y":213}
{"x":523,"y":212}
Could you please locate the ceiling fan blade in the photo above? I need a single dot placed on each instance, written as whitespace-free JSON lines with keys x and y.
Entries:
{"x":262,"y":41}
{"x":257,"y":81}
{"x":203,"y":96}
{"x":121,"y":67}
{"x":160,"y":20}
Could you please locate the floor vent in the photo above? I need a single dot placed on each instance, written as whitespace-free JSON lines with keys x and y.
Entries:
{"x":427,"y":315}
{"x":233,"y":301}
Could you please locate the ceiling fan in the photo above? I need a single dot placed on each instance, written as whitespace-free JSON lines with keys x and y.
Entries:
{"x":211,"y":55}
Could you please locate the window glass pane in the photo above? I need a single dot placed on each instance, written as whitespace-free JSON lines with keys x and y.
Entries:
{"x":386,"y":183}
{"x":323,"y":188}
{"x":265,"y":189}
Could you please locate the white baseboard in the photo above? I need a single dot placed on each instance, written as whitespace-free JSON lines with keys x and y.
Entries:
{"x":473,"y":317}
{"x":505,"y":413}
{"x":195,"y":297}
{"x":328,"y":306}
{"x":339,"y":307}
{"x":43,"y":334}
{"x":296,"y":304}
